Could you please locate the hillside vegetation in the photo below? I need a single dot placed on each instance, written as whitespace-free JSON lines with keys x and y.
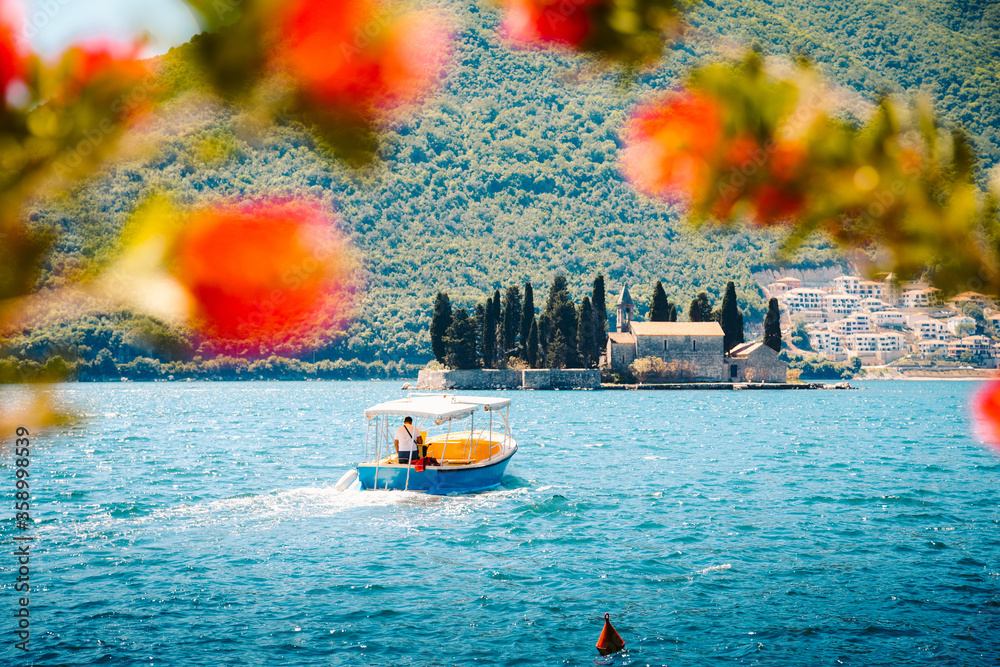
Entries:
{"x":510,"y":173}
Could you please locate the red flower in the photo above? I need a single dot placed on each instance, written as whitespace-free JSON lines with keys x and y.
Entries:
{"x":676,"y":149}
{"x":566,"y":22}
{"x":271,"y":274}
{"x":11,"y":56}
{"x":357,"y":56}
{"x":671,"y":146}
{"x":763,"y":178}
{"x":774,"y":203}
{"x":986,"y":410}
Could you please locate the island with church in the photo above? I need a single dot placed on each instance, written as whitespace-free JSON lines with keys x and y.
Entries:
{"x":505,"y":344}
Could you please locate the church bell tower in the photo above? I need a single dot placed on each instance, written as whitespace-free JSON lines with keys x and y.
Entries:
{"x":623,"y":317}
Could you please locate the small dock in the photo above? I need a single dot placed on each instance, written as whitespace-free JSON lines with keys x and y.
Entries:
{"x":724,"y":386}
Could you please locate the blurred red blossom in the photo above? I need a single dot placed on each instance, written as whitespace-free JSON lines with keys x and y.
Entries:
{"x":267,"y":275}
{"x":565,"y":22}
{"x":631,"y":33}
{"x":11,"y":56}
{"x":986,"y":411}
{"x":670,"y":145}
{"x":679,"y":148}
{"x":359,"y":56}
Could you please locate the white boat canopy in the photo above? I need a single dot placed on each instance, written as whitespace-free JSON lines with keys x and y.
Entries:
{"x":440,"y":407}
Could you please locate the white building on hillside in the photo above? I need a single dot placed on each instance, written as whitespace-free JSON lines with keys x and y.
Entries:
{"x":823,"y":340}
{"x":888,"y":318}
{"x":933,"y":347}
{"x":981,"y":346}
{"x":858,"y":287}
{"x":803,"y":299}
{"x":874,"y":305}
{"x":856,"y":323}
{"x":926,"y":328}
{"x":920,"y":298}
{"x":960,"y":324}
{"x":867,"y":343}
{"x":839,"y":305}
{"x":782,"y":285}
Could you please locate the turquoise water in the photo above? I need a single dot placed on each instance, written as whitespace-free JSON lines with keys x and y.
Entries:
{"x":196,"y":524}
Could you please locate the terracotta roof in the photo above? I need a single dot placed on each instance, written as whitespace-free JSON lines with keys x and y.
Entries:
{"x":972,"y":296}
{"x":744,"y":349}
{"x":621,"y":338}
{"x":676,"y":329}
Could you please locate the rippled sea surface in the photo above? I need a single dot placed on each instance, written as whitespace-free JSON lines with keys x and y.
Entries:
{"x":197,"y":524}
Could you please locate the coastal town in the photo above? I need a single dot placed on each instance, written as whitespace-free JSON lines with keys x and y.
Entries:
{"x":885,"y":321}
{"x":833,"y":328}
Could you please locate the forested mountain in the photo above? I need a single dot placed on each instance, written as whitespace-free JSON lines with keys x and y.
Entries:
{"x":510,"y":173}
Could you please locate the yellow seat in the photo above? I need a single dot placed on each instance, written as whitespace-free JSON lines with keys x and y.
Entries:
{"x":455,"y":449}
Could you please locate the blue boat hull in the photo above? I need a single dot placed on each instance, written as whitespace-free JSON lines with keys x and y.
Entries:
{"x":437,"y":480}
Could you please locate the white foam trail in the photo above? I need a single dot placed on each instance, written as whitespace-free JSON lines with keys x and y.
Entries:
{"x":262,"y":511}
{"x":716,"y":568}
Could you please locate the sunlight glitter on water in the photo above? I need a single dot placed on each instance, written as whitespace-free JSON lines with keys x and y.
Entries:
{"x":832,"y":525}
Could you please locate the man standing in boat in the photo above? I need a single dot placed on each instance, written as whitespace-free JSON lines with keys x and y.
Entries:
{"x":406,"y":441}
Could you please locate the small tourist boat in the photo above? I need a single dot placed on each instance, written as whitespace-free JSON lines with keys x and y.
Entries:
{"x":467,"y":439}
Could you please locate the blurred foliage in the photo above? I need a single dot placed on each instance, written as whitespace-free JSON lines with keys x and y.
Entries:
{"x":741,"y":142}
{"x":510,"y":174}
{"x":629,"y":32}
{"x":948,"y":50}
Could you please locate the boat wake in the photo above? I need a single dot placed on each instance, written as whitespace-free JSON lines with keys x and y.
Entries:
{"x":716,"y":568}
{"x":258,"y":512}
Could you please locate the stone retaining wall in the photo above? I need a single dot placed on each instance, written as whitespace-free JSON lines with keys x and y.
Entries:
{"x":536,"y":378}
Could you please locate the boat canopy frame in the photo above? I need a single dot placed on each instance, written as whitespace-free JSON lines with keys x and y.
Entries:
{"x":441,"y":409}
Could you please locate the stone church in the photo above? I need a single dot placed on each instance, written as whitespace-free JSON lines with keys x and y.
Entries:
{"x":694,"y":351}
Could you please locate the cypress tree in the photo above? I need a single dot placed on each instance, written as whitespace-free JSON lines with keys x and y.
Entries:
{"x":558,"y":350}
{"x":659,"y":306}
{"x":489,"y":335}
{"x":772,"y":326}
{"x":731,"y":318}
{"x":544,"y":330}
{"x":600,"y":305}
{"x":586,"y":336}
{"x":700,"y":309}
{"x":562,"y":316}
{"x":480,"y":323}
{"x":527,"y":318}
{"x":672,"y":313}
{"x":440,"y":321}
{"x":497,"y":329}
{"x":531,"y":353}
{"x":511,"y":320}
{"x":460,"y":340}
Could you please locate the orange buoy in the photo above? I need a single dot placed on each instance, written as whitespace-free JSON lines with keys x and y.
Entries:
{"x":610,"y":641}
